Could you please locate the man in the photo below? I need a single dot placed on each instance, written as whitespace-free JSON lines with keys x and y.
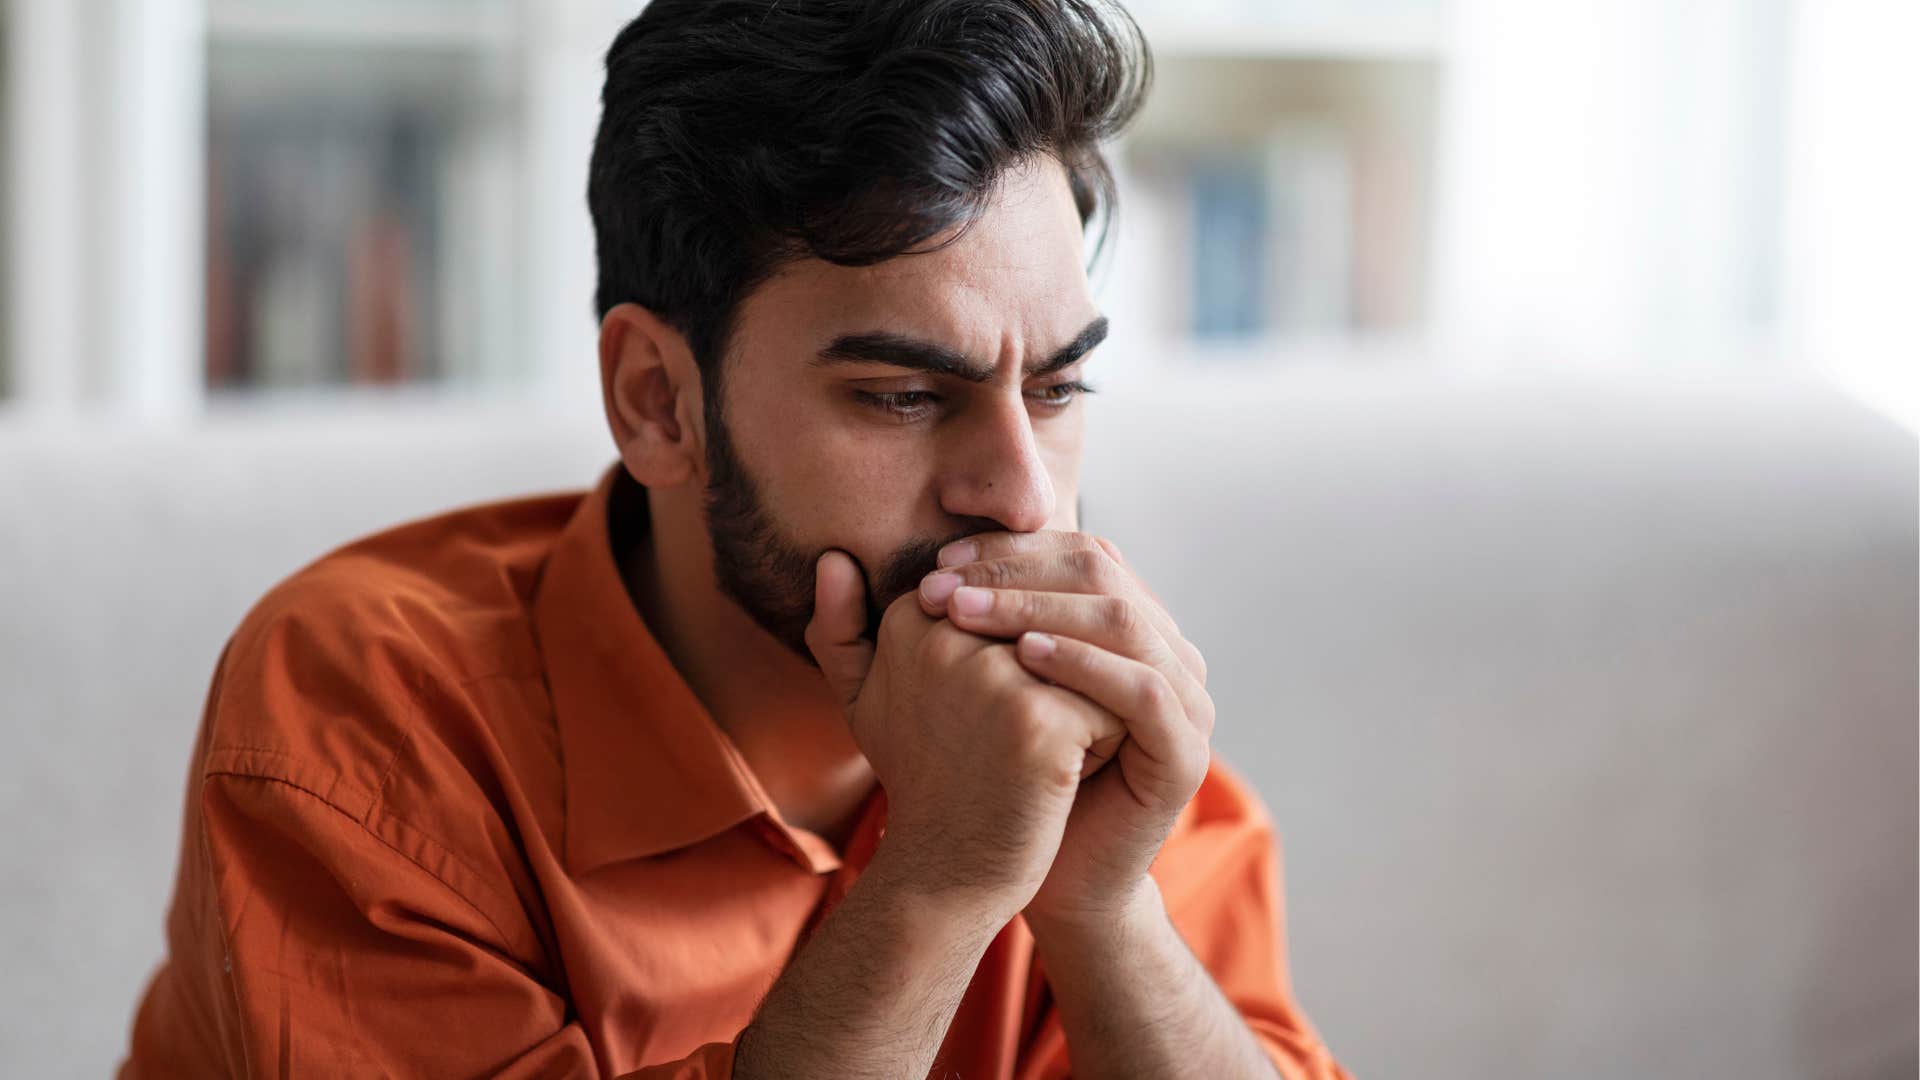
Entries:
{"x":813,"y":741}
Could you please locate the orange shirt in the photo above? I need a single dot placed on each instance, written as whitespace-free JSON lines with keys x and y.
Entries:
{"x":452,"y":812}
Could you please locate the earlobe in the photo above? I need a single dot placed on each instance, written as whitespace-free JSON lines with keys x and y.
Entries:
{"x":649,"y":385}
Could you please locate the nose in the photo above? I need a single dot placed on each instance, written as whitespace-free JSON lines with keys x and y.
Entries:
{"x":996,"y":472}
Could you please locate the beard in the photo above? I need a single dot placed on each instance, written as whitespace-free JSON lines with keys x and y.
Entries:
{"x":768,"y":574}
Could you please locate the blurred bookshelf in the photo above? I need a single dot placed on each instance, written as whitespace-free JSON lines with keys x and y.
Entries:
{"x":360,"y":194}
{"x":1276,"y":193}
{"x":290,"y":204}
{"x":1278,"y":189}
{"x":240,"y":206}
{"x":301,"y":208}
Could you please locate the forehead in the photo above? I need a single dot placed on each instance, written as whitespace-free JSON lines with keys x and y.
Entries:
{"x":1014,"y":277}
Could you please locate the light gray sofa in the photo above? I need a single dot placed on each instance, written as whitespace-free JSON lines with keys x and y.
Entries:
{"x":1586,"y":706}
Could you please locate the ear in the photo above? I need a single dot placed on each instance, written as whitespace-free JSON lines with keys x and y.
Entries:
{"x":651,"y":389}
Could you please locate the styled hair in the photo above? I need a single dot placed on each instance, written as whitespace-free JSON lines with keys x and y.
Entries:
{"x":739,"y":135}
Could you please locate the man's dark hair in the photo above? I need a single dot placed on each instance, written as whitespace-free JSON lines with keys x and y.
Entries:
{"x":738,"y":135}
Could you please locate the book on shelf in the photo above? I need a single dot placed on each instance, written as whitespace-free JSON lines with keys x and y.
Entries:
{"x":321,"y":255}
{"x":1262,"y":244}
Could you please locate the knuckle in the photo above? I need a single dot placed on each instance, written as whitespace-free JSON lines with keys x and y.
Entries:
{"x":1204,"y":719}
{"x":1015,"y":605}
{"x":1029,"y":728}
{"x":1110,"y":549}
{"x":1000,"y":667}
{"x":1187,"y":752}
{"x":1112,"y":577}
{"x":1119,"y":615}
{"x":945,"y":644}
{"x":1155,"y":693}
{"x":997,"y":574}
{"x":1086,"y":562}
{"x":1196,"y":757}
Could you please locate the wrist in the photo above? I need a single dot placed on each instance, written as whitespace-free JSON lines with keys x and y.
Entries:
{"x":1136,"y":910}
{"x":916,"y":885}
{"x":871,"y":991}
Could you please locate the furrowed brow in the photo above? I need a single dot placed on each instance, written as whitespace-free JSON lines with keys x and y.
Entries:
{"x":901,"y":352}
{"x":895,"y":350}
{"x":1094,"y":334}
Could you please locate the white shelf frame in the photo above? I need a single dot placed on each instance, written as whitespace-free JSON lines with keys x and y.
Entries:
{"x":106,"y":221}
{"x":46,"y":194}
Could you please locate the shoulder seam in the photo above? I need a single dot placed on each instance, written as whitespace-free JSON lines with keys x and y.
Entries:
{"x":360,"y":803}
{"x":365,"y":826}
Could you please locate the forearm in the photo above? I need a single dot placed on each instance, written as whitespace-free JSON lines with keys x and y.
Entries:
{"x":1134,"y":1001}
{"x":872,"y":992}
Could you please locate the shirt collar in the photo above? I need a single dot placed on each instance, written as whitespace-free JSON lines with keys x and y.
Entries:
{"x":646,"y":768}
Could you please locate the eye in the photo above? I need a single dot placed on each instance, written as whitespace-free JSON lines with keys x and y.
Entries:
{"x":918,"y":404}
{"x":1060,"y":395}
{"x":905,"y":404}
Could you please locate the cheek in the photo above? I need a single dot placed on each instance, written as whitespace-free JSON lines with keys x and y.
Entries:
{"x":830,"y":484}
{"x":1061,"y":449}
{"x":1066,"y":506}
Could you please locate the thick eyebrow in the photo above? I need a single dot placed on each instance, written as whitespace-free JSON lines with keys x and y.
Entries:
{"x":893,"y":350}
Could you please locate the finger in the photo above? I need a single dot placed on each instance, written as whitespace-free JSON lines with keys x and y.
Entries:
{"x":999,"y":545}
{"x":1002,"y":544}
{"x":839,"y":620}
{"x":1139,"y":694}
{"x":1095,"y":732}
{"x":1114,"y":623}
{"x":1079,"y":568}
{"x":1101,"y":731}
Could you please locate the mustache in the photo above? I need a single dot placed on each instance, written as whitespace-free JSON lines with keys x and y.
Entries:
{"x":901,"y":574}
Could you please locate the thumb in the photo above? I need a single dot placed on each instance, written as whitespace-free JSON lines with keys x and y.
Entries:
{"x":839,"y":618}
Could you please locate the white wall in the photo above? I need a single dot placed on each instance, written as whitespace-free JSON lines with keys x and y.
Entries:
{"x":1610,"y":182}
{"x":1853,"y":216}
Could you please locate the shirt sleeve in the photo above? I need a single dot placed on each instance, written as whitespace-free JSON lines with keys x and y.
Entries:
{"x":1219,"y":874}
{"x":313,"y":932}
{"x":329,"y":953}
{"x":1223,"y":890}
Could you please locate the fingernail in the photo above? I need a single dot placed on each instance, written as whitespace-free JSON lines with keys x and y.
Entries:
{"x":1036,"y":645}
{"x":937,"y":587}
{"x":972,"y":600}
{"x":960,"y":551}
